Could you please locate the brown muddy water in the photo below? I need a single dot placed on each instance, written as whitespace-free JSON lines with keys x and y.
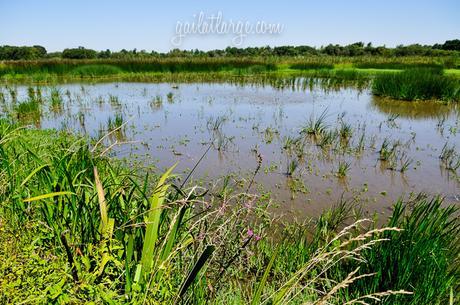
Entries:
{"x":177,"y":123}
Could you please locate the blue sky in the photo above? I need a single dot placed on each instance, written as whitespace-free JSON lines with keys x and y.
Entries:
{"x":150,"y":25}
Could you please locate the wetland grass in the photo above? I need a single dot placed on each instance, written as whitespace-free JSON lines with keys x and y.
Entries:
{"x":396,"y":65}
{"x":93,"y":70}
{"x":424,"y":253}
{"x":417,"y":84}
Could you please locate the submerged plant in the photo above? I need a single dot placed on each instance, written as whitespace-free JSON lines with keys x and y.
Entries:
{"x":31,"y":93}
{"x":361,"y":142}
{"x":219,"y":140}
{"x":216,"y":124}
{"x":292,"y":145}
{"x":13,"y":94}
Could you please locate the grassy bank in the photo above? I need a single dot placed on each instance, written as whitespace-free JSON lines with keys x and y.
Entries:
{"x":76,"y":226}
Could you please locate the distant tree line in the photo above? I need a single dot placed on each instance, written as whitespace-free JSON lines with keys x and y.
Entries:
{"x":450,"y":47}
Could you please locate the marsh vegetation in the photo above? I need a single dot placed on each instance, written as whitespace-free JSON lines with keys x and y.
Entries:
{"x":269,"y":187}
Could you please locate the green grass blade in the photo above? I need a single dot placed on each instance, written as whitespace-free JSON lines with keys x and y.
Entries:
{"x":263,"y":281}
{"x":49,"y":195}
{"x":153,"y":223}
{"x":102,"y":202}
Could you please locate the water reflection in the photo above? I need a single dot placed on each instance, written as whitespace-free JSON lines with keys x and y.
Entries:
{"x":418,"y":110}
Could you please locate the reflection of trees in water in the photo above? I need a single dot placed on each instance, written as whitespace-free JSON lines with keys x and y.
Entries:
{"x":413,"y":109}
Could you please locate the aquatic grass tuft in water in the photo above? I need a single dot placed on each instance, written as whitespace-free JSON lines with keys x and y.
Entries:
{"x":170,"y":97}
{"x":115,"y":123}
{"x":343,"y":169}
{"x":387,"y":150}
{"x":28,"y":110}
{"x":114,"y":101}
{"x":291,"y":167}
{"x":346,"y":130}
{"x":450,"y":157}
{"x":157,"y":102}
{"x":56,"y":99}
{"x":316,"y":126}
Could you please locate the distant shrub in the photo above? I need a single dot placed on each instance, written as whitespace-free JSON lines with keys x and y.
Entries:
{"x":79,"y":53}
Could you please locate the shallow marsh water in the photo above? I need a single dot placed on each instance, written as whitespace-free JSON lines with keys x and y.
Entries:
{"x":167,"y":123}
